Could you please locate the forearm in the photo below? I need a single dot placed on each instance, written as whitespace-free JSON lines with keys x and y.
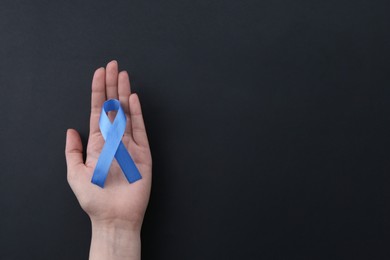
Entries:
{"x":115,"y":242}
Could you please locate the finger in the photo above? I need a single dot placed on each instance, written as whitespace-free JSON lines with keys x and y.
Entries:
{"x":124,"y":90}
{"x":137,"y":121}
{"x":112,"y":80}
{"x":124,"y":94}
{"x":98,"y":97}
{"x":73,"y":150}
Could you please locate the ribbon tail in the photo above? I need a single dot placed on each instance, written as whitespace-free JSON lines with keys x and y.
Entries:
{"x":106,"y":156}
{"x":127,"y":164}
{"x":103,"y":166}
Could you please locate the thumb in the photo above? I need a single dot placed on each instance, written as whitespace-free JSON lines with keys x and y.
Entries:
{"x":73,"y":149}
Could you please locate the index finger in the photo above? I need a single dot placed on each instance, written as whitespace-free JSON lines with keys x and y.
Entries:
{"x":98,"y":97}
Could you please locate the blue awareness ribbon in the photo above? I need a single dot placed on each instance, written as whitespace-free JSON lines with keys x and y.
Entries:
{"x":113,"y":146}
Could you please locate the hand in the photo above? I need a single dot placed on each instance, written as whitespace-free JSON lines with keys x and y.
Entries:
{"x":118,"y":209}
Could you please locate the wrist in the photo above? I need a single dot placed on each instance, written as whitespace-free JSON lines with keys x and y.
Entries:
{"x":116,"y":224}
{"x":115,"y":240}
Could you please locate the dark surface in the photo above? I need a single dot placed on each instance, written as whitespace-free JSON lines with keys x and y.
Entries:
{"x":268,"y":123}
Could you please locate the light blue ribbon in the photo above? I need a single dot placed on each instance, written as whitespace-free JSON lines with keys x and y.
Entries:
{"x":113,"y":147}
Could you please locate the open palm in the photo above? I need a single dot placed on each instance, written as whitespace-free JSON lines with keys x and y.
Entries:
{"x":119,"y":200}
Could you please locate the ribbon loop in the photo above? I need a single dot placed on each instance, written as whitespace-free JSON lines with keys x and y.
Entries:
{"x":113,"y":147}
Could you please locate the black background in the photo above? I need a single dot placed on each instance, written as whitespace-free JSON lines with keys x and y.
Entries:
{"x":268,"y":123}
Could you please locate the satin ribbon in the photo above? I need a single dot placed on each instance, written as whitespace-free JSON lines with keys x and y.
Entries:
{"x":113,"y":146}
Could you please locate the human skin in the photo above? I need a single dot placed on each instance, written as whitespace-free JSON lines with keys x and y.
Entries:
{"x":117,"y":210}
